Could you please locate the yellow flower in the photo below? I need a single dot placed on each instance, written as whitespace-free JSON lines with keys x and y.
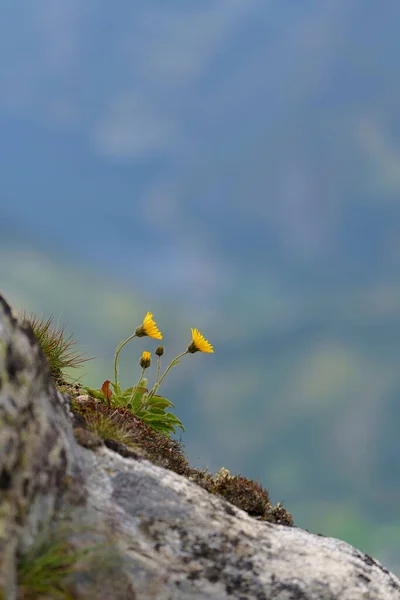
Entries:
{"x":199,"y":343}
{"x":149,"y":328}
{"x":145,"y":360}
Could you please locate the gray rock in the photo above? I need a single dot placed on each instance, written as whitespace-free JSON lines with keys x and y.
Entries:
{"x":157,"y":535}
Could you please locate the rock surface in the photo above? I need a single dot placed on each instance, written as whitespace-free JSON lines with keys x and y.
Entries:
{"x":162,"y":536}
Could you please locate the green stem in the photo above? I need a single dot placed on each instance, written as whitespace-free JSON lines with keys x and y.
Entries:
{"x":118,"y":350}
{"x":158,"y":368}
{"x":136,"y":386}
{"x":157,"y":384}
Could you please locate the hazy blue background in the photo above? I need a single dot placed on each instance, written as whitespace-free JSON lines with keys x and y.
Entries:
{"x":231,"y":165}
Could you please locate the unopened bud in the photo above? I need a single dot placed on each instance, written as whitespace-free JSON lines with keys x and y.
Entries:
{"x":145,"y":360}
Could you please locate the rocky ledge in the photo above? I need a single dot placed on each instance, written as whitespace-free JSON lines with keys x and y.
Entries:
{"x":137,"y":530}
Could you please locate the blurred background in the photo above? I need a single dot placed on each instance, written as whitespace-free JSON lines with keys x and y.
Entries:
{"x":233,"y":166}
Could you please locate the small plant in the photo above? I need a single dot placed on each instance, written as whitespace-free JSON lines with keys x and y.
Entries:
{"x":246,"y":494}
{"x":43,"y":570}
{"x":106,"y":428}
{"x":54,"y":564}
{"x":58,"y":349}
{"x":145,"y":404}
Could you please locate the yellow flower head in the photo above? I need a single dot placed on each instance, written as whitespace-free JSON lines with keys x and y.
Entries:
{"x":145,"y":360}
{"x":149,"y":328}
{"x":199,"y":343}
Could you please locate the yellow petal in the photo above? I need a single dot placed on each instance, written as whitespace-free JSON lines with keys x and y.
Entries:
{"x":200,"y":343}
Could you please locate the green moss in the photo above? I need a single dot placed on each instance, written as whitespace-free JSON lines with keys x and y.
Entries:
{"x":108,"y":428}
{"x":280,"y":515}
{"x":121,"y":423}
{"x":244,"y":493}
{"x":54,"y":565}
{"x":130,"y":432}
{"x":43,"y":571}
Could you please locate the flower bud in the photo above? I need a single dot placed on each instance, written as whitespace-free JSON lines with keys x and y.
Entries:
{"x":145,"y":360}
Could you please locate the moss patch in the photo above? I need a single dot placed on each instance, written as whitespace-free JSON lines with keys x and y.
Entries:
{"x":61,"y":559}
{"x":140,"y":441}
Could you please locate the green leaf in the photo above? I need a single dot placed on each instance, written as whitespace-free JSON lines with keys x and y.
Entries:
{"x":128,"y":391}
{"x":116,"y":388}
{"x":156,"y":411}
{"x":137,"y":399}
{"x":167,"y":419}
{"x":160,"y":402}
{"x":141,"y":413}
{"x":146,"y":415}
{"x":96,"y":394}
{"x":161,"y":427}
{"x":173,"y":420}
{"x":176,"y":361}
{"x":118,"y":400}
